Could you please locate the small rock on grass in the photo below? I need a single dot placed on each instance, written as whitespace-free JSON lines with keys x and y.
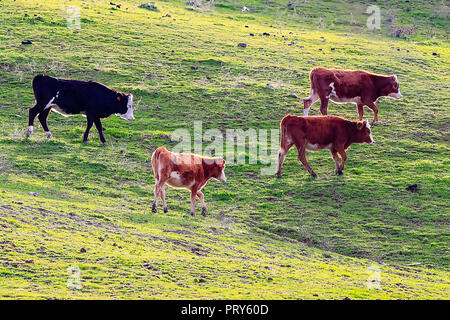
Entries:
{"x":35,"y":194}
{"x":242,"y":45}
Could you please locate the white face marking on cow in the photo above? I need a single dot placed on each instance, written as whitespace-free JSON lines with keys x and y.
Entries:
{"x":129,"y":115}
{"x":223,"y":178}
{"x":370,"y":133}
{"x":395,"y":95}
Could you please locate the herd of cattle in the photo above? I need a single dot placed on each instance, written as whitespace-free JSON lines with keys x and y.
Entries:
{"x":96,"y":101}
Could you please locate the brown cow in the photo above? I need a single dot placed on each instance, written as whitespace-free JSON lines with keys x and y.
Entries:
{"x":319,"y":132}
{"x":346,"y":86}
{"x":185,"y":171}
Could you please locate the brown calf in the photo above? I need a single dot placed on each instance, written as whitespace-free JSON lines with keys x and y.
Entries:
{"x":319,"y":132}
{"x":185,"y":171}
{"x":346,"y":86}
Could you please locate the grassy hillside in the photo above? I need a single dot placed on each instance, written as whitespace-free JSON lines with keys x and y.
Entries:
{"x":263,"y":237}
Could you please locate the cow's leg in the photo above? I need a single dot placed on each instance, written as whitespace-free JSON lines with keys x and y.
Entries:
{"x":324,"y":105}
{"x":90,"y":122}
{"x":159,"y":186}
{"x":32,"y":113}
{"x":156,"y":196}
{"x":308,"y":102}
{"x":343,"y":154}
{"x":302,"y":158}
{"x":202,"y":199}
{"x":374,"y":108}
{"x":98,"y":125}
{"x":282,"y":156}
{"x":193,"y":196}
{"x":163,"y":198}
{"x":43,"y":120}
{"x":360,"y":110}
{"x":336,"y":161}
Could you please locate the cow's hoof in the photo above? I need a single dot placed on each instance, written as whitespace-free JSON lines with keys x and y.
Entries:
{"x":154,"y":208}
{"x":204,"y":211}
{"x":166,"y":210}
{"x":374,"y":122}
{"x":339,"y":172}
{"x":105,"y":144}
{"x":279,"y":175}
{"x":192,"y":213}
{"x":86,"y":142}
{"x":29,"y":131}
{"x":48,"y":134}
{"x":314,"y":175}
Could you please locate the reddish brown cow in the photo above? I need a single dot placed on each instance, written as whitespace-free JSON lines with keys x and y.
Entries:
{"x":346,"y":86}
{"x":319,"y":132}
{"x":186,"y":171}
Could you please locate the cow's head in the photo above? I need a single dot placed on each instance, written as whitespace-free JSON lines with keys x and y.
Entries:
{"x":392,"y":88}
{"x":126,"y":102}
{"x":219,"y":172}
{"x":364,"y":134}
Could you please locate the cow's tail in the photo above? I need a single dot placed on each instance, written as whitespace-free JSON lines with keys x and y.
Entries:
{"x":284,"y":143}
{"x":284,"y":132}
{"x":308,"y":101}
{"x":155,"y":161}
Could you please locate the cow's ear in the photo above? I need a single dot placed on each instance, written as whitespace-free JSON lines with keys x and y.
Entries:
{"x":360,"y":125}
{"x":118,"y":98}
{"x":223,"y":164}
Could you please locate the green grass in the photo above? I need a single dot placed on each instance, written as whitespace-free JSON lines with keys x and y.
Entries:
{"x":264,"y":238}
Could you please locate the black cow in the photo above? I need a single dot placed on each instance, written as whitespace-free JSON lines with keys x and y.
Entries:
{"x":69,"y":97}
